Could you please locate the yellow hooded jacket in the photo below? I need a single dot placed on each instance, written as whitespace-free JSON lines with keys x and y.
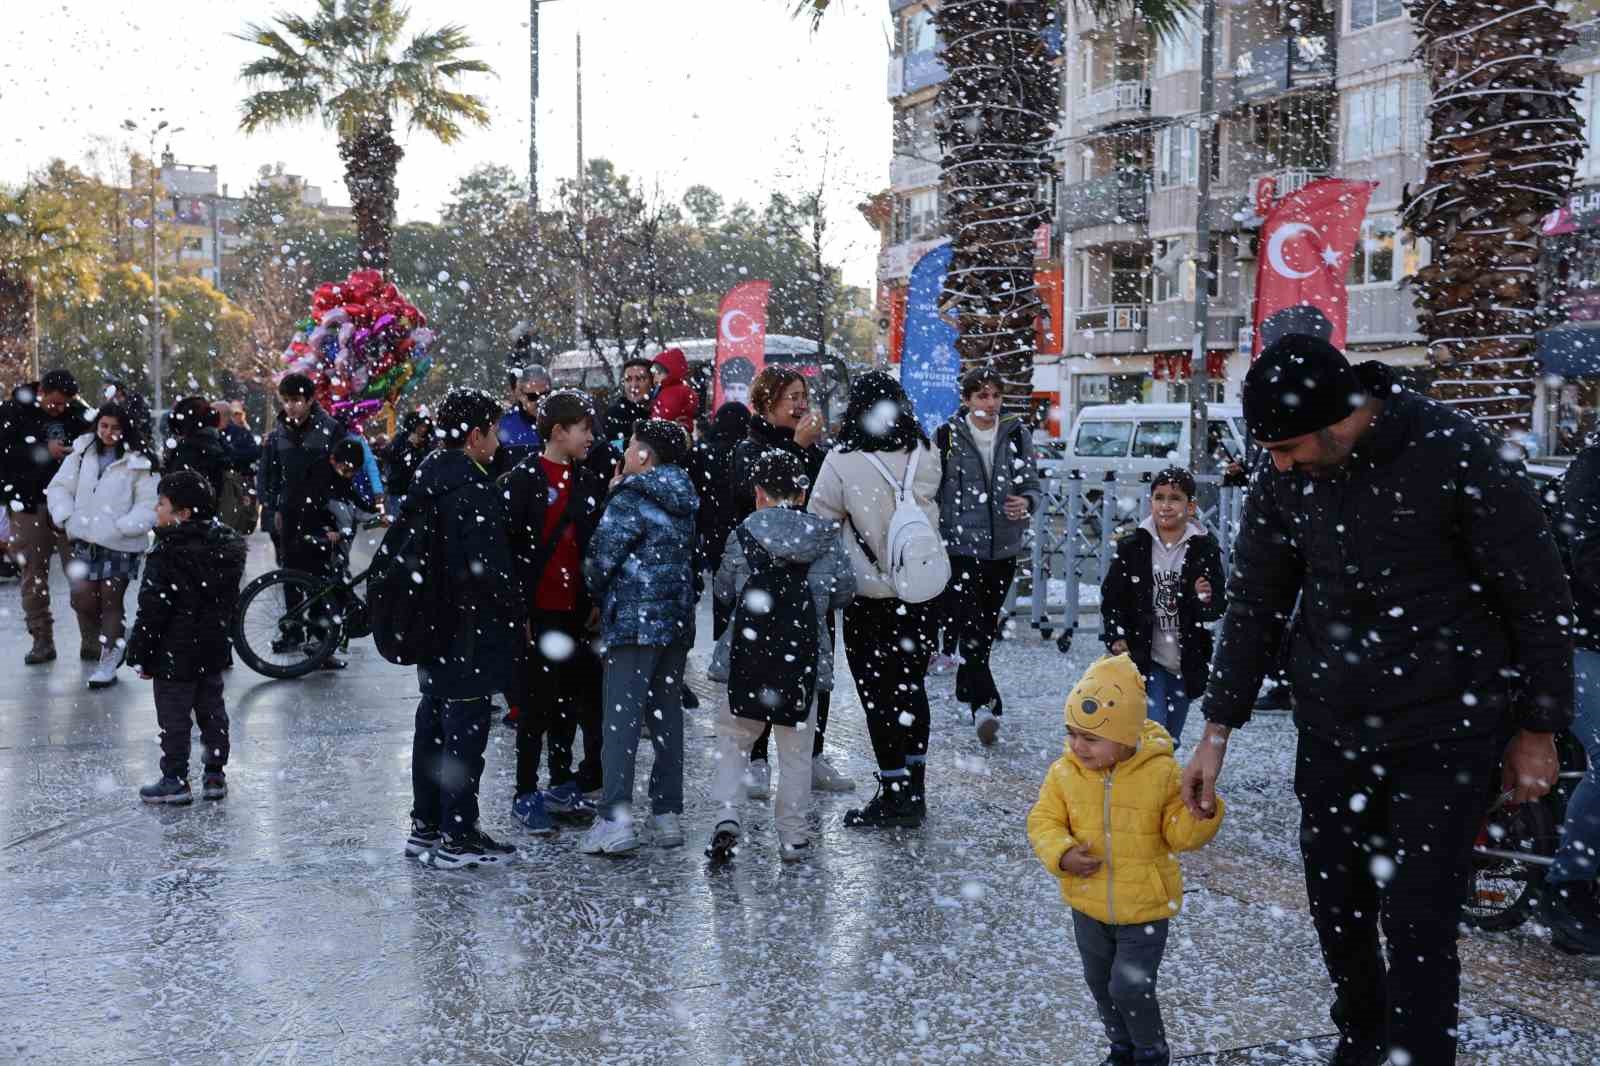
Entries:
{"x":1132,"y":819}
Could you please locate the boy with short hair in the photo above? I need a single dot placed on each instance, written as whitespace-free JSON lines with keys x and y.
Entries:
{"x":1164,"y":587}
{"x":640,"y":569}
{"x":784,"y":534}
{"x":303,"y":438}
{"x":1108,"y":819}
{"x":180,"y":638}
{"x":555,"y":503}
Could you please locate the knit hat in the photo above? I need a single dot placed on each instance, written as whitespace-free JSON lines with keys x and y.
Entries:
{"x":1299,"y":385}
{"x":1109,"y":701}
{"x":666,"y":439}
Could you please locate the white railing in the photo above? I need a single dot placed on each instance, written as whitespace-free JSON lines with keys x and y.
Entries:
{"x":1119,"y":96}
{"x":1110,"y":318}
{"x":1287,"y":182}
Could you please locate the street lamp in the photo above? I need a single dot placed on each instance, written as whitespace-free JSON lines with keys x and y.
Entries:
{"x":155,"y":267}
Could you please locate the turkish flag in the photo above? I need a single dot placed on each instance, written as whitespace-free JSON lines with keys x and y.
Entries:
{"x":741,"y":342}
{"x":1306,"y":244}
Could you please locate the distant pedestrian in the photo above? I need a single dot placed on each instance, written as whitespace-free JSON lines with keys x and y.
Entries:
{"x":640,"y":569}
{"x":303,"y":438}
{"x":1107,"y":824}
{"x":195,"y":443}
{"x":519,"y":427}
{"x":630,"y":407}
{"x":674,"y":401}
{"x":712,"y":467}
{"x":180,"y":637}
{"x":405,"y":453}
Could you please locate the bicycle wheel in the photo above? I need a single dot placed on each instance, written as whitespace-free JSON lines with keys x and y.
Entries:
{"x":1506,"y":871}
{"x":285,"y":625}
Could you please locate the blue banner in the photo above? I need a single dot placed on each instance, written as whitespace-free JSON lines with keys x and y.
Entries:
{"x":930,"y":368}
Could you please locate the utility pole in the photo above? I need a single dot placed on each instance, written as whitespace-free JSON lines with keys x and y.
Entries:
{"x":1199,"y":371}
{"x":533,"y":113}
{"x":155,"y":266}
{"x":581,"y":296}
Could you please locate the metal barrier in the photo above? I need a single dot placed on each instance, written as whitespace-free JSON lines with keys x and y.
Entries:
{"x":1075,"y":532}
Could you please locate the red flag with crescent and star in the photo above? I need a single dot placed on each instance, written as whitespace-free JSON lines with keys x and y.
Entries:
{"x":741,"y":342}
{"x":1306,"y":243}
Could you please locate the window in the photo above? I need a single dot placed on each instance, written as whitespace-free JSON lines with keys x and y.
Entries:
{"x":1372,"y":122}
{"x":915,"y":132}
{"x":1179,"y":50}
{"x":1243,"y":429}
{"x":921,"y":212}
{"x":1167,"y":270}
{"x":1587,"y":102}
{"x":1103,"y":440}
{"x":1373,"y":261}
{"x":1366,"y":13}
{"x":1157,"y":440}
{"x":921,"y":34}
{"x":1177,"y":156}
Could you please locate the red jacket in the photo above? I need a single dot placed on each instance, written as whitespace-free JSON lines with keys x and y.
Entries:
{"x":675,"y":401}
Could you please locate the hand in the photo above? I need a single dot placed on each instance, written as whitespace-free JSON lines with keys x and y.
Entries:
{"x":594,"y":619}
{"x":143,"y":676}
{"x":333,"y":536}
{"x":1119,"y":647}
{"x":1199,"y":787}
{"x":1531,"y":766}
{"x":1078,"y":862}
{"x":58,"y":450}
{"x":809,"y":431}
{"x":1202,"y":588}
{"x":1016,"y":508}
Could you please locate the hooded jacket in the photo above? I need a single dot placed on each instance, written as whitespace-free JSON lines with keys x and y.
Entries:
{"x":675,"y":401}
{"x":972,"y":494}
{"x":1132,"y":819}
{"x":26,"y":430}
{"x":640,"y":566}
{"x":114,"y":507}
{"x":186,"y":601}
{"x":483,"y":633}
{"x":790,"y":536}
{"x":1128,"y":608}
{"x":1432,"y":598}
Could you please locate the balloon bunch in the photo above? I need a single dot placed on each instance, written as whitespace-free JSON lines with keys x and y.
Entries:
{"x":364,"y":345}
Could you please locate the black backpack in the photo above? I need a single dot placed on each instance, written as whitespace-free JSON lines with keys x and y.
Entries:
{"x":405,"y":599}
{"x":772,"y":663}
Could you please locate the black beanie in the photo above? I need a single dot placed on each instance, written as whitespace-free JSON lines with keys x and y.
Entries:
{"x":666,"y":439}
{"x":1299,"y":385}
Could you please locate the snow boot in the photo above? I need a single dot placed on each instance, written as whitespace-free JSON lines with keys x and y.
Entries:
{"x":169,"y":789}
{"x":1120,"y":1055}
{"x":214,"y":785}
{"x":724,"y":842}
{"x":43,"y":651}
{"x":105,"y":675}
{"x":918,"y":795}
{"x":889,"y":806}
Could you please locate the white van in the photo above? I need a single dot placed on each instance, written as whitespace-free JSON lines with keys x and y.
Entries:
{"x":1144,"y":437}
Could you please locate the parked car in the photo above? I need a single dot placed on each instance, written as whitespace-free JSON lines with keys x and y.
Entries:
{"x":1142,"y":438}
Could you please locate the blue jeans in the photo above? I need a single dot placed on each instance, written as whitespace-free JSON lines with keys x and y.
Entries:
{"x":1166,"y":702}
{"x":1576,"y":859}
{"x":643,"y":684}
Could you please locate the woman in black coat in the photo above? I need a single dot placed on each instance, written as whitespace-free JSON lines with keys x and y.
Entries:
{"x":711,"y":465}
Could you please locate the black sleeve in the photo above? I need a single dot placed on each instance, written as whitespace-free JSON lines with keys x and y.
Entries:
{"x":524,"y":528}
{"x":1581,"y":522}
{"x":1116,"y":599}
{"x":157,"y":595}
{"x":1210,"y":561}
{"x":1267,"y":574}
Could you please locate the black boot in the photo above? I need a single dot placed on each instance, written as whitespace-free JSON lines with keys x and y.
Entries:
{"x":891,"y":806}
{"x":1120,"y":1055}
{"x":1572,"y":911}
{"x":918,"y":796}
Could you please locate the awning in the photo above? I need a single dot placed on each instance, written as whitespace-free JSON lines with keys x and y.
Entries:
{"x":1569,"y":352}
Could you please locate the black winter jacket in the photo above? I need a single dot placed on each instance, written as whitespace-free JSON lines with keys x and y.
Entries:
{"x":1579,"y":526}
{"x":203,"y":451}
{"x":1127,"y":604}
{"x":483,"y":610}
{"x":186,"y":601}
{"x":1434,"y":597}
{"x":289,"y":454}
{"x":25,"y":432}
{"x":740,"y":502}
{"x":711,"y":468}
{"x":527,"y":493}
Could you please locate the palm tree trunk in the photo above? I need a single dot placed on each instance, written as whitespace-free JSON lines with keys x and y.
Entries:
{"x":371,"y":158}
{"x":1503,"y":139}
{"x":997,"y":111}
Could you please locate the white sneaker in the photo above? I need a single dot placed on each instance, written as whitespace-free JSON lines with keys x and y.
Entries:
{"x":668,"y":833}
{"x":758,"y":780}
{"x":988,"y":726}
{"x":105,"y":674}
{"x":824,"y":778}
{"x":610,"y":836}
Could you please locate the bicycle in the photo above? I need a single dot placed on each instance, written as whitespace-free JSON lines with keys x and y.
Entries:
{"x":289,"y":623}
{"x":1516,"y":846}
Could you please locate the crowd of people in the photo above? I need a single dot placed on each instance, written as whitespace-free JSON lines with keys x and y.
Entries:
{"x":1391,"y":558}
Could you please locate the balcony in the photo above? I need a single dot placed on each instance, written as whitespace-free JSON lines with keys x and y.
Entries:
{"x":1123,"y":196}
{"x":1284,"y":183}
{"x":1110,"y":318}
{"x":1119,"y":96}
{"x":913,"y":71}
{"x":1280,"y":65}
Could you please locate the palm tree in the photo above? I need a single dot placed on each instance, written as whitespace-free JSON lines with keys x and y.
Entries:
{"x":342,"y":65}
{"x":1503,"y":141}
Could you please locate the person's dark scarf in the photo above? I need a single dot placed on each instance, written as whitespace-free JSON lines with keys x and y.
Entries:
{"x":866,"y":393}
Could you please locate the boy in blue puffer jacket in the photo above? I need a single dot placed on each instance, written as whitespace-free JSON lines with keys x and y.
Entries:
{"x":640,"y":570}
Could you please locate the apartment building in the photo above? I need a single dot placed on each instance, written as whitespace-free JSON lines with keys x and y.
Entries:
{"x":1303,"y":89}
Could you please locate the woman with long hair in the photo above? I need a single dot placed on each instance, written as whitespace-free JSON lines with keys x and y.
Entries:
{"x":882,"y":450}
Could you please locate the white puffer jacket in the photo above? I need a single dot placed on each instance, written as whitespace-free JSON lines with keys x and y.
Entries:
{"x":115,"y":508}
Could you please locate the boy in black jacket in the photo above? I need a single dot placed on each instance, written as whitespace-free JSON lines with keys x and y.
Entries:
{"x":555,"y":502}
{"x":180,"y":639}
{"x":1164,"y":586}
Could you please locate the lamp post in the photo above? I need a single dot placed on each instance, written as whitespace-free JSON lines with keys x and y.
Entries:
{"x":155,"y":267}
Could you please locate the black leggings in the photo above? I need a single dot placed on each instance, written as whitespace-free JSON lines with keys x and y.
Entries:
{"x":758,"y":751}
{"x":886,"y":643}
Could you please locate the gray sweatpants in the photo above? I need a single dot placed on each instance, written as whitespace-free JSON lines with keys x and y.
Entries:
{"x":643,"y":684}
{"x":1119,"y":966}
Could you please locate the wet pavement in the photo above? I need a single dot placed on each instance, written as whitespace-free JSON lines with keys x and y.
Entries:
{"x":283,"y":925}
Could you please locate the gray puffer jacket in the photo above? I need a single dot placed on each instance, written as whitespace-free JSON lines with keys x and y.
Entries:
{"x":972,"y":516}
{"x":791,"y":536}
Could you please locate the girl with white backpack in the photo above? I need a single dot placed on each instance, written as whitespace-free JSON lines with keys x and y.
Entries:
{"x":882,"y":484}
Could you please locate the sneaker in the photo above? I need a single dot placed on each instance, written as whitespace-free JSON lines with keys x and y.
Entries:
{"x":595,"y":795}
{"x":43,"y":651}
{"x":488,"y":844}
{"x":214,"y":785}
{"x":941,"y":664}
{"x":333,"y":662}
{"x":800,"y":851}
{"x":424,"y":838}
{"x":567,"y":802}
{"x":472,"y":848}
{"x":758,"y":779}
{"x":986,"y":724}
{"x":890,"y":806}
{"x":824,"y":778}
{"x":724,"y":842}
{"x":1572,"y":912}
{"x":529,"y":810}
{"x":167,"y":790}
{"x":287,"y":643}
{"x":668,"y":833}
{"x":610,"y":836}
{"x":105,"y":675}
{"x":1120,"y":1055}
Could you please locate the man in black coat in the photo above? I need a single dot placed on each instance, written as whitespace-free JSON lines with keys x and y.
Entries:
{"x":1431,"y":630}
{"x":303,"y":438}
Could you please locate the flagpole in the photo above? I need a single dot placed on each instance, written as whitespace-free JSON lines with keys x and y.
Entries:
{"x":1199,"y":369}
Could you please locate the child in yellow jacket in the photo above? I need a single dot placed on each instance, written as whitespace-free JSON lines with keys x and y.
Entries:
{"x":1106,"y":825}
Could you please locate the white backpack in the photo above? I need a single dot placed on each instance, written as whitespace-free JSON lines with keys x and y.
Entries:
{"x":918,"y":567}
